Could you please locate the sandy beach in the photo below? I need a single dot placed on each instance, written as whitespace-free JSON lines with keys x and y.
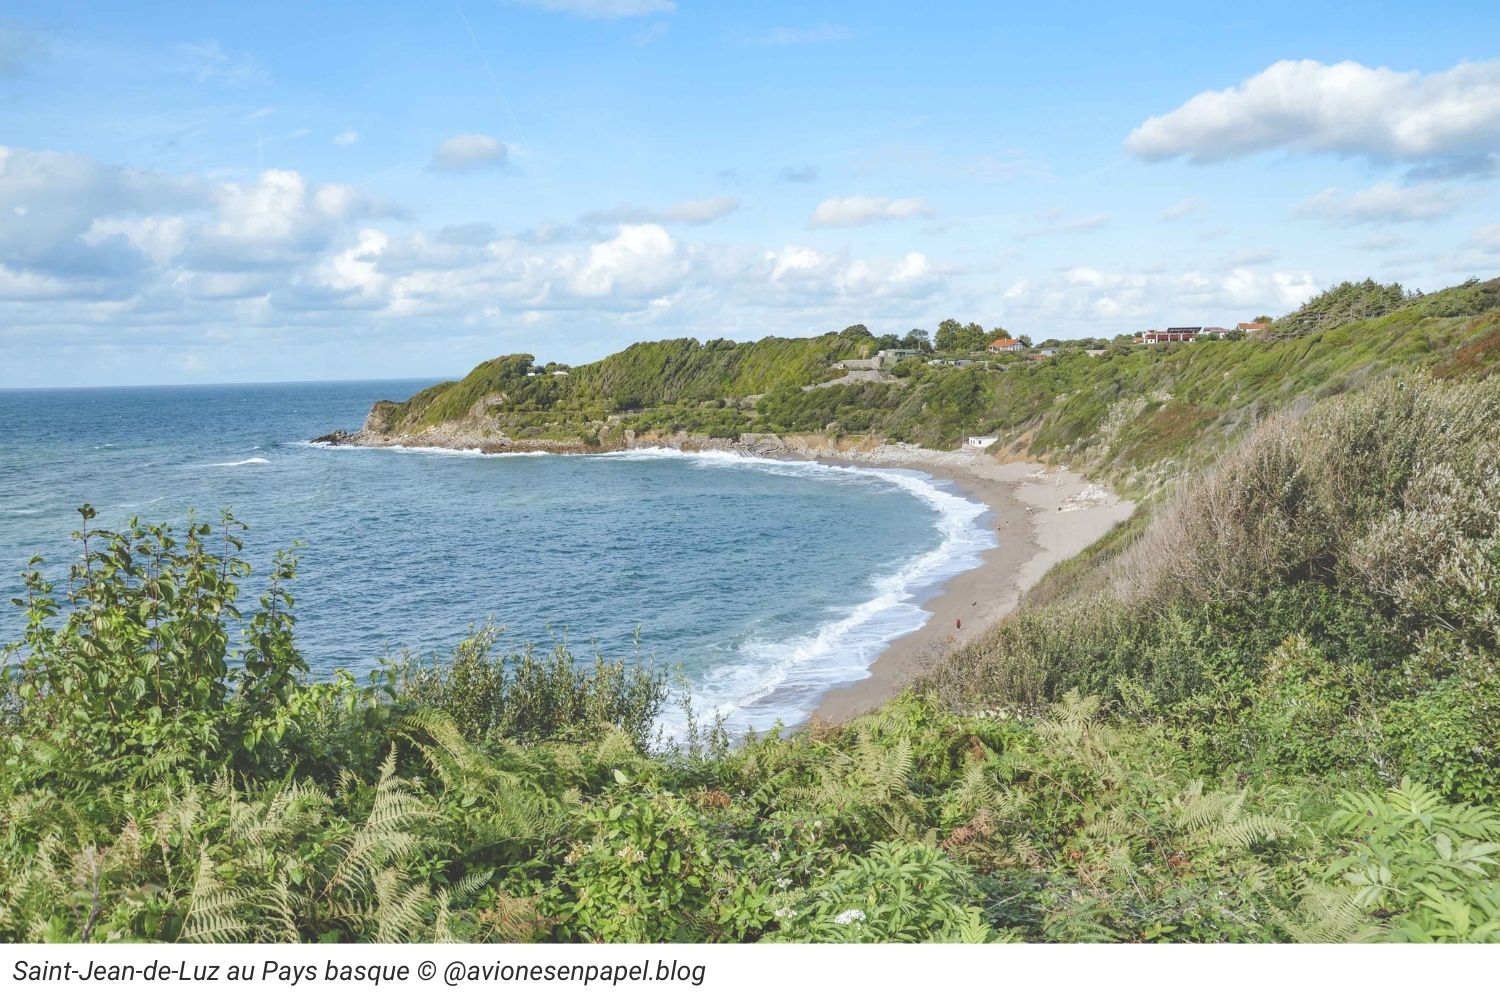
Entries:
{"x":1042,"y":515}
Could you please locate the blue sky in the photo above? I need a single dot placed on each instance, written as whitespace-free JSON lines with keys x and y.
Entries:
{"x":262,"y":192}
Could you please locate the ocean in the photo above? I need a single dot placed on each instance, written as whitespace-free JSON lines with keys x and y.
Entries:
{"x":765,"y":582}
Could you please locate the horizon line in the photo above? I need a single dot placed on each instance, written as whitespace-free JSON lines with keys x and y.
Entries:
{"x":215,"y":385}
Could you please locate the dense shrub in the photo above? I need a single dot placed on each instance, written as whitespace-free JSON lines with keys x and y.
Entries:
{"x":1321,"y":601}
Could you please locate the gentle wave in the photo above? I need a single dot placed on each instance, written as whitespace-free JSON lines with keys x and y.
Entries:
{"x":776,"y":679}
{"x":781,"y":680}
{"x":243,"y":461}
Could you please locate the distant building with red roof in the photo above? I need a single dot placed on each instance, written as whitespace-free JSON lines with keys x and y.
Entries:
{"x":1005,"y":345}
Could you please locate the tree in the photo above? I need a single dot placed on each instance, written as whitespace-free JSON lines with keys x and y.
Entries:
{"x":948,"y":333}
{"x":1025,"y":340}
{"x":958,"y":338}
{"x":918,"y":339}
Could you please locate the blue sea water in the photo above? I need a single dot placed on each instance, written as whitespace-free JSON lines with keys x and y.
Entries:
{"x":766,"y":582}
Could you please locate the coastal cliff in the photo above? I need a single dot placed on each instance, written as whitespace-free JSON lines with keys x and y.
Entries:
{"x":1137,"y":417}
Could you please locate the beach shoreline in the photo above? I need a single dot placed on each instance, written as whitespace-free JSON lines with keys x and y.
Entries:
{"x":1041,"y":515}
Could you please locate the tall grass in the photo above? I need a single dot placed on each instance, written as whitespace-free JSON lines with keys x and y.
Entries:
{"x":1349,"y":554}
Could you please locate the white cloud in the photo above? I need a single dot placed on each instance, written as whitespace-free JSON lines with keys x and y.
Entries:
{"x":50,"y":201}
{"x":804,"y":275}
{"x":348,"y":137}
{"x":640,"y":259}
{"x":602,"y":9}
{"x":704,"y":210}
{"x":1448,"y":120}
{"x":468,"y":151}
{"x":1382,"y":203}
{"x":860,"y":210}
{"x":1112,"y":302}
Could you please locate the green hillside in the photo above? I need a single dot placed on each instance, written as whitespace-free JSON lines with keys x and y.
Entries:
{"x":551,"y":402}
{"x":1137,"y":415}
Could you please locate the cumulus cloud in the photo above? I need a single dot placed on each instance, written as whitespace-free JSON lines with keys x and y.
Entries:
{"x":799,"y":274}
{"x":602,"y":9}
{"x":50,"y":201}
{"x":256,"y":277}
{"x":1119,"y":301}
{"x":468,"y":151}
{"x":1448,"y":120}
{"x":1382,"y":203}
{"x":98,"y":233}
{"x":640,"y":259}
{"x":860,"y":210}
{"x":348,"y":137}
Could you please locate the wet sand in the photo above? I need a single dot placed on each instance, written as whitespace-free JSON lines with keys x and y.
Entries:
{"x":1042,"y":516}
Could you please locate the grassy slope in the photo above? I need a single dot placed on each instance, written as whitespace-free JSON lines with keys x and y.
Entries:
{"x":645,"y":375}
{"x":1137,"y":416}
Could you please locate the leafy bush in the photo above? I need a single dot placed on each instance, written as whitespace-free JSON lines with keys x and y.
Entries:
{"x":527,"y":696}
{"x":1412,"y":868}
{"x":1321,"y":601}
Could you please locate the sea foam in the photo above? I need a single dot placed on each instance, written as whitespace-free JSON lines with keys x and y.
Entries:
{"x":243,"y":461}
{"x":781,"y":679}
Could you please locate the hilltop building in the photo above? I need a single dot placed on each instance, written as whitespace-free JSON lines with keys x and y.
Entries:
{"x":895,"y":355}
{"x":1005,"y":345}
{"x":1172,"y":335}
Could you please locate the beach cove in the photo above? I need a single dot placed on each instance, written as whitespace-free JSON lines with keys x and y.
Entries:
{"x":1039,"y":516}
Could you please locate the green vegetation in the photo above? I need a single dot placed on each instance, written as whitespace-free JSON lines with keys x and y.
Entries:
{"x":1352,"y":301}
{"x":522,"y":400}
{"x":1266,"y":708}
{"x":1139,"y":416}
{"x":1291,"y":736}
{"x":1322,"y":601}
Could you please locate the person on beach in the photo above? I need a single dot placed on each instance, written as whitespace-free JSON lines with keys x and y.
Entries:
{"x":958,"y":623}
